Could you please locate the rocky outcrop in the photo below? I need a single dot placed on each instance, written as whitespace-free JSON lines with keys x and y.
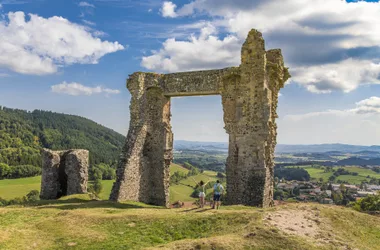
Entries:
{"x":249,"y":97}
{"x":64,"y":173}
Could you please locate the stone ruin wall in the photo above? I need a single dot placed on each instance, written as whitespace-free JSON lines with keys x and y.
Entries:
{"x":64,"y":173}
{"x":249,"y":98}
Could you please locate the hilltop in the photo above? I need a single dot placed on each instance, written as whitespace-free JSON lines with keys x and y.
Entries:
{"x":23,"y":134}
{"x":78,"y":223}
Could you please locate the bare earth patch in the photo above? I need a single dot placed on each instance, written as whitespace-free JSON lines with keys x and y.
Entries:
{"x":301,"y":223}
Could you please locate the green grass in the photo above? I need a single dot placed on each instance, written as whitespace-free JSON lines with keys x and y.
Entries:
{"x":177,"y":168}
{"x":316,"y":173}
{"x":107,"y":187}
{"x":10,"y":189}
{"x":180,"y":193}
{"x":77,"y":223}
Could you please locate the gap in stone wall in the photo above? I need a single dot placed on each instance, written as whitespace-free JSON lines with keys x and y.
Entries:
{"x":62,"y":178}
{"x":198,"y":118}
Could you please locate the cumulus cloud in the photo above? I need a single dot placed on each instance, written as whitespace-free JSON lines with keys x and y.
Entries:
{"x":346,"y":75}
{"x":199,"y":52}
{"x":321,"y":41}
{"x":76,"y":89}
{"x":365,"y":107}
{"x":168,"y":9}
{"x":86,"y":4}
{"x":40,"y":45}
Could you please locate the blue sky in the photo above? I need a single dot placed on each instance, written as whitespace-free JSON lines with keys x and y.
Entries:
{"x":74,"y":57}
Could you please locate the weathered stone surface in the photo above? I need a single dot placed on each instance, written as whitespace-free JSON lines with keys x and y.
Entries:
{"x":249,"y":97}
{"x":64,"y":173}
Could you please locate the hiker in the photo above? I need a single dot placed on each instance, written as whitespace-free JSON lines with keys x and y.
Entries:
{"x":218,"y":191}
{"x":202,"y":193}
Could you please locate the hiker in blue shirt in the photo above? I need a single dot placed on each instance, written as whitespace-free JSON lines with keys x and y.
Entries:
{"x":218,"y":191}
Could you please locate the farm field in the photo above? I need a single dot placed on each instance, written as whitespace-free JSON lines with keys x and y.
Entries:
{"x":13,"y":188}
{"x":316,"y":173}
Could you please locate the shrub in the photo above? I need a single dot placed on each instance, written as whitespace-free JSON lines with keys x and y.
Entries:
{"x":177,"y":177}
{"x":4,"y":170}
{"x":96,"y":187}
{"x":33,"y":195}
{"x":102,"y":171}
{"x":368,"y":204}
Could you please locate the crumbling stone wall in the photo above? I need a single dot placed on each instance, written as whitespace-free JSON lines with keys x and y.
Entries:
{"x":249,"y":97}
{"x":64,"y":173}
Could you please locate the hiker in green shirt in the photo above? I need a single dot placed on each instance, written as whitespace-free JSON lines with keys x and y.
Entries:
{"x":218,"y":191}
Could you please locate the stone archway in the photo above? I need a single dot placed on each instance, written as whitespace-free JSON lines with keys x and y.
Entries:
{"x":249,"y":97}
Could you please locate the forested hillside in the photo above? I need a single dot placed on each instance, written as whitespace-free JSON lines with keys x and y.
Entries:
{"x":23,"y":134}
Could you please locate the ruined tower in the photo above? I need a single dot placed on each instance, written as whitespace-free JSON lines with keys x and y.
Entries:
{"x":63,"y":173}
{"x":249,"y":97}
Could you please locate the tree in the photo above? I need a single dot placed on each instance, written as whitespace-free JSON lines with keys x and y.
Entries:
{"x":332,"y":178}
{"x":298,"y":174}
{"x":96,"y":187}
{"x":4,"y":170}
{"x":369,"y":203}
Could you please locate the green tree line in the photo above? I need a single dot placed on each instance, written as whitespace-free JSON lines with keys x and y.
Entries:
{"x":23,"y":134}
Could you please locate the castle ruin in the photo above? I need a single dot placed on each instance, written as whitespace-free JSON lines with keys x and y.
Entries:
{"x":64,"y":173}
{"x":249,"y":98}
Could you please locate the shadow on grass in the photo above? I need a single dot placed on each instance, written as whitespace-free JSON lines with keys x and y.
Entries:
{"x":77,"y":203}
{"x":204,"y":210}
{"x":189,"y":210}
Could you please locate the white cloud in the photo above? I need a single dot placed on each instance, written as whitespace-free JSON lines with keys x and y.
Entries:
{"x":323,"y":42}
{"x":88,"y":22}
{"x":199,"y":52}
{"x":358,"y":125}
{"x":168,"y":9}
{"x":370,"y":106}
{"x":76,"y":89}
{"x":86,"y":4}
{"x":40,"y":46}
{"x":345,"y":75}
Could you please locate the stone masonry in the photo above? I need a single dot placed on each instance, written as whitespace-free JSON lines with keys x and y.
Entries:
{"x":64,"y":173}
{"x":249,"y":97}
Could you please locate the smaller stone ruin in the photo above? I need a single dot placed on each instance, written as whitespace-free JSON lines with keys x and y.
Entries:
{"x":64,"y":173}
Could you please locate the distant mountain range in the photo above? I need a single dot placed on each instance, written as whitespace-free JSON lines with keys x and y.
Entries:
{"x":283,"y":148}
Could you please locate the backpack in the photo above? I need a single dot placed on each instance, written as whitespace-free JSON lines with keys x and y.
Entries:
{"x":217,"y":188}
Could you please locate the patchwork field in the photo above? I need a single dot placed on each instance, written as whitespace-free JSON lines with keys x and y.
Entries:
{"x":363,"y":173}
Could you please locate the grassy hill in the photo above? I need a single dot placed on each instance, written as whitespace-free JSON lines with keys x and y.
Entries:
{"x":23,"y":134}
{"x":77,"y":223}
{"x":10,"y":189}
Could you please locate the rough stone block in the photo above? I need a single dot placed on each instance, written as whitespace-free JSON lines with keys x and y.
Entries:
{"x":64,"y":173}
